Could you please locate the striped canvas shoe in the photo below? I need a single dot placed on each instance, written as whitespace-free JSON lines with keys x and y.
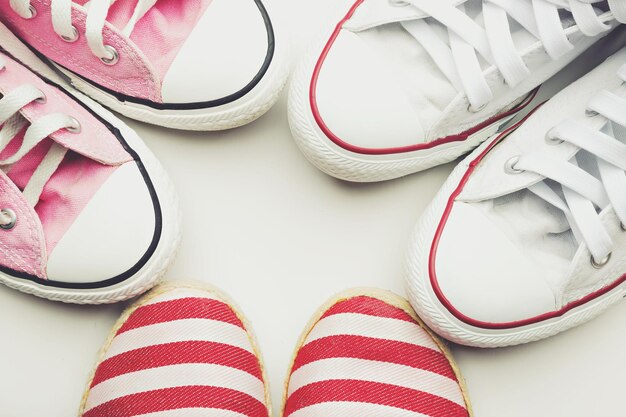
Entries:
{"x":367,"y":354}
{"x":181,"y":351}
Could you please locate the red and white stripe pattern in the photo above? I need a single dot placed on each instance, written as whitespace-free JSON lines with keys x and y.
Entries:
{"x":183,"y":353}
{"x":368,"y":358}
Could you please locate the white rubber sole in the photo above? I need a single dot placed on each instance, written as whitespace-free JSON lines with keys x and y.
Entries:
{"x":238,"y":113}
{"x":170,"y":238}
{"x":441,"y":320}
{"x":350,"y":166}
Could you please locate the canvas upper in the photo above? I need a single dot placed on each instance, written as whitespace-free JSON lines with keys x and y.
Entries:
{"x":180,"y":351}
{"x":366,"y":355}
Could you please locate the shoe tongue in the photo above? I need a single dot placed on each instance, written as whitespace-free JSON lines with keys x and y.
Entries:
{"x":373,"y":13}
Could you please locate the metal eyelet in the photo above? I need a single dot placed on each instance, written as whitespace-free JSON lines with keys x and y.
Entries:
{"x":473,"y":109}
{"x":8,"y":219}
{"x":115,"y":57}
{"x":75,"y":127}
{"x":33,"y":12}
{"x":509,"y":166}
{"x":73,"y":38}
{"x":553,"y":140}
{"x":600,"y":264}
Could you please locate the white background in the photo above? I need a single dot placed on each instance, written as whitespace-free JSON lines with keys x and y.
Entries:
{"x":265,"y":226}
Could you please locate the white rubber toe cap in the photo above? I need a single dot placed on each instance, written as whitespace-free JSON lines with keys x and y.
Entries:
{"x":360,"y":101}
{"x":486,"y":277}
{"x":222,"y":56}
{"x":112,"y":233}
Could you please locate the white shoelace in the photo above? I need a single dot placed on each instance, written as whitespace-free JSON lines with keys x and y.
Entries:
{"x":97,"y":11}
{"x":13,"y":122}
{"x":459,"y":60}
{"x":584,"y":193}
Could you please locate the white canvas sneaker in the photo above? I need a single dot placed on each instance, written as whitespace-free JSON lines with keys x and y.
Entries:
{"x":526,"y":238}
{"x":398,"y":86}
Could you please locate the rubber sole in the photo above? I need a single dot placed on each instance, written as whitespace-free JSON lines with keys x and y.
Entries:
{"x":238,"y":113}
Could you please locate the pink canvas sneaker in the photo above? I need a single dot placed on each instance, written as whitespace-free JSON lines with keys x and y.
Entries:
{"x":180,"y":351}
{"x":87,"y":214}
{"x":527,"y":236}
{"x":367,"y":354}
{"x":398,"y":86}
{"x":186,"y":64}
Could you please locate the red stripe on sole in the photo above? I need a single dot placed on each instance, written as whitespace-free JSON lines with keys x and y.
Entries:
{"x":176,"y":354}
{"x":179,"y":398}
{"x":369,"y":306}
{"x":373,"y":393}
{"x":181,"y":309}
{"x":367,"y":348}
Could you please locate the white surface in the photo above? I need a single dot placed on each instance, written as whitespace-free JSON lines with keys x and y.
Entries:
{"x":281,"y":237}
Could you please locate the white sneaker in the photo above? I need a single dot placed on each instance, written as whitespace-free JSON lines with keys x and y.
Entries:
{"x":400,"y":86}
{"x":526,"y":238}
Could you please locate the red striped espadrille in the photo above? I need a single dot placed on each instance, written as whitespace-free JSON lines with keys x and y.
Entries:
{"x":366,"y":354}
{"x":181,"y":351}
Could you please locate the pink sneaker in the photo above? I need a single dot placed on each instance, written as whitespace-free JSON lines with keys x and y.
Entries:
{"x":367,"y":354}
{"x":187,"y":64}
{"x":87,"y":214}
{"x":181,"y":351}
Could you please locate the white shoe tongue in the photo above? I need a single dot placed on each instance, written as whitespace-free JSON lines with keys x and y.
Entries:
{"x":373,"y":13}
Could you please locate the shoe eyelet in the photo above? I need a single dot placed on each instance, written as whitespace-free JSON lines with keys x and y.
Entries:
{"x":115,"y":57}
{"x":33,"y":12}
{"x":75,"y":127}
{"x":8,"y":219}
{"x":73,"y":38}
{"x":591,"y":113}
{"x":509,"y":166}
{"x":31,"y":9}
{"x":553,"y":140}
{"x":43,"y":99}
{"x":473,"y":109}
{"x":600,"y":264}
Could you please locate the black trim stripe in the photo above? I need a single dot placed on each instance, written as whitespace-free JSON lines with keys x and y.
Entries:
{"x":271,"y":47}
